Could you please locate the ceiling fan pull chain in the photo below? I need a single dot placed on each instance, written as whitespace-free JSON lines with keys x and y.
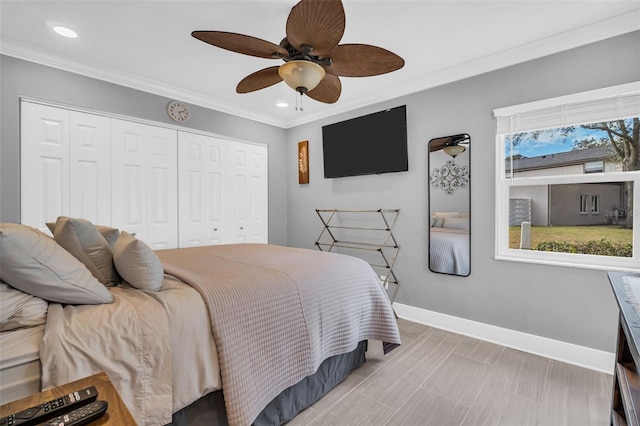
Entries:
{"x":299,"y":109}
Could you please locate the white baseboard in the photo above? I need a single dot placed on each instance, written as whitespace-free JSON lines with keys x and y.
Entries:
{"x":570,"y":353}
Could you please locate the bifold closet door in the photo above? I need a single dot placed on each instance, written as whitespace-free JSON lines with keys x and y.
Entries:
{"x":249,"y":168}
{"x":65,"y":163}
{"x":204,"y":181}
{"x":145,"y":181}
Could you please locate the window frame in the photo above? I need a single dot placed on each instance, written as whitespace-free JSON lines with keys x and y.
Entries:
{"x":584,"y":203}
{"x":595,"y":204}
{"x":504,"y":183}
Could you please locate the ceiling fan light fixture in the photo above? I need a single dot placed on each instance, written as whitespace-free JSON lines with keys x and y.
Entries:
{"x":454,"y":150}
{"x":302,"y":76}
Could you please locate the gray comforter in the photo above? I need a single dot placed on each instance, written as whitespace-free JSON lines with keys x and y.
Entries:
{"x":277,"y":312}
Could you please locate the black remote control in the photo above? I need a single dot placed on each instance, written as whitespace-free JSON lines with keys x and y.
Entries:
{"x":80,"y":416}
{"x":55,"y":407}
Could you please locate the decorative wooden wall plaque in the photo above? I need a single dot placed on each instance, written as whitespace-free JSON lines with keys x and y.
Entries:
{"x":303,"y":162}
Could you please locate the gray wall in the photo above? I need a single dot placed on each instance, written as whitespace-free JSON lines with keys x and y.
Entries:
{"x":26,"y":79}
{"x":568,"y":304}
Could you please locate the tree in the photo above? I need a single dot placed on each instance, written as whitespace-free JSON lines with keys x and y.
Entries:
{"x":621,"y":135}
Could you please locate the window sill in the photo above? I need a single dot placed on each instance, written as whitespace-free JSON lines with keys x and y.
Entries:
{"x":567,"y":260}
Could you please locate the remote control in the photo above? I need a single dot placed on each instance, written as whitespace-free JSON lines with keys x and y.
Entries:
{"x":55,"y":407}
{"x":80,"y":416}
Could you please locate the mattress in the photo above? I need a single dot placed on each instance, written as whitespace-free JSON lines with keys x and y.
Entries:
{"x":20,"y":369}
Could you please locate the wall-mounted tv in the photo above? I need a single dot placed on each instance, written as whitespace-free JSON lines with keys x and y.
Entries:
{"x":371,"y":144}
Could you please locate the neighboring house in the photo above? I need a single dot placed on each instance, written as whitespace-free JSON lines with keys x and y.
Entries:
{"x":571,"y":204}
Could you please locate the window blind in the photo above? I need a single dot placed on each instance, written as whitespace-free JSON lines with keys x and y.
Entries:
{"x":587,"y":107}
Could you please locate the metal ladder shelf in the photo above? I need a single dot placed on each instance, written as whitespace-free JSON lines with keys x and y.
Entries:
{"x":386,"y":244}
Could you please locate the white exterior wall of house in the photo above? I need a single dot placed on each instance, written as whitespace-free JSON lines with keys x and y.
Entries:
{"x":575,"y":169}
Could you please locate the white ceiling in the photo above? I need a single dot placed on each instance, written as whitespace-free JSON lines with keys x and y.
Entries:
{"x":147,"y":44}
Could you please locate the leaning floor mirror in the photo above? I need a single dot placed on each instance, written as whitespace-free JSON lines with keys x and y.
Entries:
{"x":450,"y":205}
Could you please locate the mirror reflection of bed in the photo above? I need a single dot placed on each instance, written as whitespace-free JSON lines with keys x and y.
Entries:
{"x":449,"y":205}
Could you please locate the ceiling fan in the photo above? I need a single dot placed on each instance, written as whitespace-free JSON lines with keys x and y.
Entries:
{"x":314,"y":60}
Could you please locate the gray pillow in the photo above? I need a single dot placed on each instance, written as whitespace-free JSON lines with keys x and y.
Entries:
{"x":110,"y":234}
{"x":19,"y":309}
{"x":137,"y":263}
{"x":83,"y":240}
{"x":34,"y":263}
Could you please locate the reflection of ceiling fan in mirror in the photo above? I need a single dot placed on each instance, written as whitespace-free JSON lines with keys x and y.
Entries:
{"x":452,"y":145}
{"x":313,"y":58}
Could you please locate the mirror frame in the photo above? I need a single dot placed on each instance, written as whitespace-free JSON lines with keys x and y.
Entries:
{"x":437,"y":144}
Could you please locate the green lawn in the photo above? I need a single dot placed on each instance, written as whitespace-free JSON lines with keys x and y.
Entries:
{"x":572,"y":234}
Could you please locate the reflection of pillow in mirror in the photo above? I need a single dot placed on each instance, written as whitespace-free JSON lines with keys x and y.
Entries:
{"x":456,"y":223}
{"x":437,"y":222}
{"x":445,"y":214}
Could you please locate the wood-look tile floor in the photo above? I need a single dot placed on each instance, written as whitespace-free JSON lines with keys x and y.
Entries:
{"x":441,"y":378}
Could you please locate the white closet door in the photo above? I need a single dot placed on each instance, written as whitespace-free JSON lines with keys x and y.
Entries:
{"x":249,"y":199}
{"x":203,"y":189}
{"x":44,"y":164}
{"x":144,"y":193}
{"x":90,"y":168}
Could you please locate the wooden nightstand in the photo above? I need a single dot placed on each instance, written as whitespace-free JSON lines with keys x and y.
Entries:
{"x":117,"y":413}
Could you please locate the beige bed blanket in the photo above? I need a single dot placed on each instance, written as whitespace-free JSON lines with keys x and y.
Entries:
{"x":156,"y":347}
{"x":278,"y":312}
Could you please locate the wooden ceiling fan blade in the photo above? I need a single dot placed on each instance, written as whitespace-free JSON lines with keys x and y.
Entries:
{"x":316,"y":23}
{"x":241,"y":43}
{"x":328,"y":91}
{"x":438,"y":143}
{"x":362,"y":60}
{"x":259,"y":80}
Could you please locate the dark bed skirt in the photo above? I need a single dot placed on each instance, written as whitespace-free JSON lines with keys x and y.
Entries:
{"x":209,"y":410}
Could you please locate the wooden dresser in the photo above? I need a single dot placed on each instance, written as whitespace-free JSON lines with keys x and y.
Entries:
{"x":625,"y":406}
{"x":117,"y":413}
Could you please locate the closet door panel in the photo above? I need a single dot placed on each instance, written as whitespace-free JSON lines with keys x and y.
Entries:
{"x":144,"y":172}
{"x":90,"y":168}
{"x":44,"y":164}
{"x":128,"y":208}
{"x":162,"y":214}
{"x":250,"y":173}
{"x":202,"y":180}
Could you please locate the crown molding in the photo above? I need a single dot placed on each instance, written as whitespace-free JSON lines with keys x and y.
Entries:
{"x":18,"y":50}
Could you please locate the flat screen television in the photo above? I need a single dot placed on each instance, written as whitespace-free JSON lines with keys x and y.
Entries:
{"x":371,"y":144}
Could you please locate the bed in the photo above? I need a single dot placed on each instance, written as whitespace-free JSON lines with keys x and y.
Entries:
{"x":236,"y":334}
{"x":449,"y":242}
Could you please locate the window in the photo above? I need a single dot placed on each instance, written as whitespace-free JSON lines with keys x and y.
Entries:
{"x":584,"y":198}
{"x":594,"y":167}
{"x":595,"y":204}
{"x":568,"y":152}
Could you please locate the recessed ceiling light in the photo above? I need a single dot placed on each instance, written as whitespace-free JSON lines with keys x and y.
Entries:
{"x":282,"y":104}
{"x":65,"y":32}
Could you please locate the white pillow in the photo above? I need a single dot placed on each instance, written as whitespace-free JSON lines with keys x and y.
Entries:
{"x":456,"y":223}
{"x":437,"y":218}
{"x":83,"y":240}
{"x":34,"y":263}
{"x":137,"y":263}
